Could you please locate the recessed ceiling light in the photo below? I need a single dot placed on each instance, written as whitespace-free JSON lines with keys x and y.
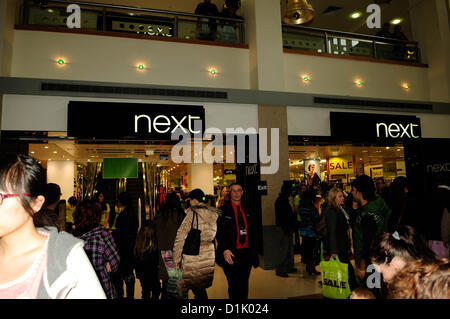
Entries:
{"x":396,"y":21}
{"x":32,"y":152}
{"x":55,"y":152}
{"x":45,"y":147}
{"x":355,"y":15}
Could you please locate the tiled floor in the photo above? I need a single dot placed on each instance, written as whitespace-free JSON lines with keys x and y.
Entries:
{"x":264,"y":284}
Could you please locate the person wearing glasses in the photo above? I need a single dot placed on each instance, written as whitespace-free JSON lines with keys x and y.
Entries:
{"x":36,"y":260}
{"x":236,"y":238}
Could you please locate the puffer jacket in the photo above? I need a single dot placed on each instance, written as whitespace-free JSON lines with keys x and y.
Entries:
{"x":198,"y":271}
{"x":309,"y":218}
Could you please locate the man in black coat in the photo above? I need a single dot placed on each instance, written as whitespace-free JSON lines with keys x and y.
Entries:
{"x":236,"y":238}
{"x":287,"y":221}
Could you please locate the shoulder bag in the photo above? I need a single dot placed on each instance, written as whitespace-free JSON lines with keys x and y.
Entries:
{"x":192,"y":242}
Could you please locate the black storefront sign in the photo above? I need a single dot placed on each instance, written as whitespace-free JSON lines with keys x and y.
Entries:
{"x":374,"y":127}
{"x":262,"y":187}
{"x":132,"y":120}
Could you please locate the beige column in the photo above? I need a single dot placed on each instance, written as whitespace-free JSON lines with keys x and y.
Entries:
{"x":9,"y":10}
{"x":274,"y":117}
{"x":430,"y":27}
{"x":264,"y":34}
{"x":201,"y":175}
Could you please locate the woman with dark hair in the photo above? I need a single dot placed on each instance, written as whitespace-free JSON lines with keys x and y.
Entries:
{"x":99,"y":198}
{"x":146,"y":261}
{"x":36,"y":260}
{"x":127,"y":225}
{"x":166,"y":224}
{"x":198,"y":270}
{"x":70,"y":210}
{"x":401,"y":204}
{"x":309,"y":216}
{"x":99,"y":245}
{"x":391,"y":252}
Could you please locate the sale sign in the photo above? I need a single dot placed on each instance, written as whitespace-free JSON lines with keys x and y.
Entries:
{"x":341,"y":165}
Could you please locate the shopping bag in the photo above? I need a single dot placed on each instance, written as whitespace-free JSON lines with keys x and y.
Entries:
{"x":335,"y":279}
{"x":176,"y":288}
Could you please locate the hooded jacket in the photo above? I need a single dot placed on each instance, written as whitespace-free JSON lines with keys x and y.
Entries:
{"x":371,"y":220}
{"x":198,"y":270}
{"x":69,"y":273}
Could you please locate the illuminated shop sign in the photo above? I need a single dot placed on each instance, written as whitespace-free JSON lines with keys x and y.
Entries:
{"x":341,"y":165}
{"x":362,"y":126}
{"x":132,"y":120}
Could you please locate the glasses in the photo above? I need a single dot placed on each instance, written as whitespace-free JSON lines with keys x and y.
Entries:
{"x":4,"y":196}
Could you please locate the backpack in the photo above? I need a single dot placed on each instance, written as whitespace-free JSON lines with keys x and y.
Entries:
{"x":321,"y":226}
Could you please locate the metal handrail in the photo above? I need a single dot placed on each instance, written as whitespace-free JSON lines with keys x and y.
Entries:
{"x":114,"y":6}
{"x":350,"y":34}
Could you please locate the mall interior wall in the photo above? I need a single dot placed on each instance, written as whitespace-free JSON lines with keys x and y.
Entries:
{"x":115,"y":59}
{"x":49,"y":113}
{"x":337,"y":76}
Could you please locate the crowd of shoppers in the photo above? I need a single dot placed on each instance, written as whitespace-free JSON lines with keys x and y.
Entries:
{"x":94,"y":262}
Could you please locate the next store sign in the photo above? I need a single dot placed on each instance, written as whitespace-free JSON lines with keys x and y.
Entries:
{"x":363,"y":126}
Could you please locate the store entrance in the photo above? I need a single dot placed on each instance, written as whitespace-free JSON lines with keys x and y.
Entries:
{"x":85,"y":168}
{"x":336,"y":163}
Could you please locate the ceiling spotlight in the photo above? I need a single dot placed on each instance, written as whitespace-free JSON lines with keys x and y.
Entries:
{"x":359,"y":82}
{"x":45,"y":147}
{"x":305,"y":78}
{"x":405,"y":86}
{"x":355,"y":15}
{"x":396,"y":21}
{"x":60,"y":61}
{"x":140,"y":66}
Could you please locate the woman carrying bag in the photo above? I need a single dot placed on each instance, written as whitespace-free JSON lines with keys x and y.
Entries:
{"x":200,"y":223}
{"x":337,"y":241}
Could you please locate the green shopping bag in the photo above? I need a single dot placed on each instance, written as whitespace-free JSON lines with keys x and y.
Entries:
{"x":335,"y":279}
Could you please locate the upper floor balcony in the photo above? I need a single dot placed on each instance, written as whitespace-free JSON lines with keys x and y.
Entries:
{"x":146,"y":23}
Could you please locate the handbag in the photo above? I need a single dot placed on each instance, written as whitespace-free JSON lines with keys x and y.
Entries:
{"x":192,"y":242}
{"x":335,"y":279}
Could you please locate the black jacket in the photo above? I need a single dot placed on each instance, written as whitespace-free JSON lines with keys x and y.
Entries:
{"x":284,"y":215}
{"x":147,"y":266}
{"x":227,"y":234}
{"x":337,"y":241}
{"x":127,"y":225}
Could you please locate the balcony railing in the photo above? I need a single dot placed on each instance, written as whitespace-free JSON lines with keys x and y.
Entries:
{"x":349,"y":44}
{"x":137,"y":21}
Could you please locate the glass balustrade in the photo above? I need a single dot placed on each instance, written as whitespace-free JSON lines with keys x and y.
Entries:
{"x":349,"y":44}
{"x":138,"y":21}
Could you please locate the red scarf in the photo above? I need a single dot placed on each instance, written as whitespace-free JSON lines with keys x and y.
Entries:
{"x":238,"y":244}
